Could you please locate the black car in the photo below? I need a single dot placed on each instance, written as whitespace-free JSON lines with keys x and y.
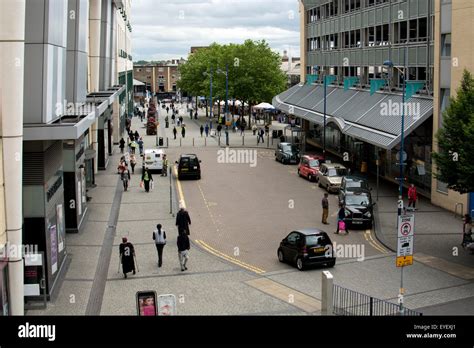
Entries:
{"x":306,"y":247}
{"x":351,"y":183}
{"x":359,"y":208}
{"x":189,"y":166}
{"x":287,"y":153}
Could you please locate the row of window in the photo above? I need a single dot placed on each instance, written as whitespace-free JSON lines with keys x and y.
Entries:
{"x":375,"y":72}
{"x":331,"y":9}
{"x":415,"y":30}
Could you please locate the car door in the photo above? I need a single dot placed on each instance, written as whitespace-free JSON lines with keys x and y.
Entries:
{"x":289,"y":246}
{"x":322,"y":177}
{"x":304,"y":167}
{"x":278,"y":152}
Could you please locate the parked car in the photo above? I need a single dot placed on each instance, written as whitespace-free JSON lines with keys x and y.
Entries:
{"x":189,"y":166}
{"x":359,"y":208}
{"x":330,"y":176}
{"x":287,"y":153}
{"x":309,"y":166}
{"x":304,"y":247}
{"x":351,"y":183}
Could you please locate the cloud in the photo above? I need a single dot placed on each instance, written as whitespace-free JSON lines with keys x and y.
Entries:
{"x":167,"y":29}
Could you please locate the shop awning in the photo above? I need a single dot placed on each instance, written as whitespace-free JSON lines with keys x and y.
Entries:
{"x":374,"y":119}
{"x":75,"y":121}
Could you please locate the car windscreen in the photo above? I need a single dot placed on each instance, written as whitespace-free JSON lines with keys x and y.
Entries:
{"x":357,"y":200}
{"x":314,"y":163}
{"x":361,"y":184}
{"x":289,"y":148}
{"x":337,"y":172}
{"x":316,"y":240}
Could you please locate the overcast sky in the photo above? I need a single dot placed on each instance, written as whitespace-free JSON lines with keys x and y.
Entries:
{"x":166,"y":29}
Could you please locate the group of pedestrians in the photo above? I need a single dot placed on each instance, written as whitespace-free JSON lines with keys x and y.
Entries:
{"x":127,"y":254}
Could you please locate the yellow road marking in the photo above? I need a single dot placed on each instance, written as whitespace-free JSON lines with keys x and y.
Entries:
{"x":369,"y":239}
{"x":376,"y":242}
{"x":220,"y":254}
{"x":180,"y":189}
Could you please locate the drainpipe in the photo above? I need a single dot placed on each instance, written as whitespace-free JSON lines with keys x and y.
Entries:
{"x":11,"y":133}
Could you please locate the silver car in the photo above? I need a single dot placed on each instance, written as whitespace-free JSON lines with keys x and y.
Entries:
{"x":330,"y":176}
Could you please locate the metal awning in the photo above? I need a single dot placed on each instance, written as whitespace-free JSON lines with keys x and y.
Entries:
{"x":138,"y":83}
{"x":75,"y":122}
{"x":356,"y":112}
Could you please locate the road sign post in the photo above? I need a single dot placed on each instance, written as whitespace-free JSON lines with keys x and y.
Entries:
{"x":406,"y":229}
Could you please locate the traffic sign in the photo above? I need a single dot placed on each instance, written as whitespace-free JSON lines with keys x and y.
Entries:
{"x":405,"y":246}
{"x":406,"y":225}
{"x":404,"y":156}
{"x":167,"y":304}
{"x":403,"y":261}
{"x":400,"y":204}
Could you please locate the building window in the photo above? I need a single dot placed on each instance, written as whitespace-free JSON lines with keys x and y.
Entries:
{"x":444,"y":94}
{"x":446,"y":45}
{"x":148,"y":70}
{"x":441,"y":187}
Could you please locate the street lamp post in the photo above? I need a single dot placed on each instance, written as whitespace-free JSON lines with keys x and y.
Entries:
{"x":226,"y":73}
{"x":205,"y":73}
{"x":404,"y":74}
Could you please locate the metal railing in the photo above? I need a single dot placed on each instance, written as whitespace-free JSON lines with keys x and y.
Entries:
{"x":350,"y":302}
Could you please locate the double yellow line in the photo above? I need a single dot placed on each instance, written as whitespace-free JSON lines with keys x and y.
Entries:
{"x":226,"y":257}
{"x":206,"y":246}
{"x":374,"y":243}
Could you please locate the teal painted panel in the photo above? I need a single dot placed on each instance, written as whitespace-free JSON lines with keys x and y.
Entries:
{"x":423,"y":7}
{"x":347,"y":23}
{"x":371,"y":16}
{"x":412,"y":55}
{"x":365,"y":19}
{"x":358,"y":20}
{"x":378,"y":16}
{"x":422,"y":55}
{"x":413,"y":11}
{"x":386,"y":15}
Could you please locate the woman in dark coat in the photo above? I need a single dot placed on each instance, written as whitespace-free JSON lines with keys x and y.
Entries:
{"x":127,"y":257}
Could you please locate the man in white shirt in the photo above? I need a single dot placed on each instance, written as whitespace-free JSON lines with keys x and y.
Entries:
{"x":159,"y":236}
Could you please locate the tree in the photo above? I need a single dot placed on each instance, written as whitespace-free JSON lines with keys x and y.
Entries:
{"x":454,"y":160}
{"x":254,"y":72}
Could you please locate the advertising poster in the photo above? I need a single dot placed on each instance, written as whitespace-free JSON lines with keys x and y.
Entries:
{"x":60,"y":227}
{"x":79,"y":194}
{"x":54,"y":247}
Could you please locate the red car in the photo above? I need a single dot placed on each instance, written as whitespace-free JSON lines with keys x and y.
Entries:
{"x":309,"y":166}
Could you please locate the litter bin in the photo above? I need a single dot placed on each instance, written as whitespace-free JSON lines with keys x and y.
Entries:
{"x":160,"y":141}
{"x":274,"y":134}
{"x":167,"y":125}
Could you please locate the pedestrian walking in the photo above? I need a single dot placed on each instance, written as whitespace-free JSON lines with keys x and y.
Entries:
{"x":146,"y":179}
{"x":127,"y":257}
{"x":174,"y":132}
{"x":164,"y":171}
{"x":261,"y":132}
{"x":183,"y":250}
{"x":466,"y":230}
{"x":172,"y":119}
{"x":242,"y":129}
{"x":136,"y":135}
{"x":227,"y":136}
{"x":183,"y":131}
{"x":125,"y":176}
{"x":254,"y":129}
{"x":133,"y":146}
{"x":140,"y":145}
{"x":122,"y":145}
{"x":325,"y":205}
{"x":207,"y":130}
{"x":341,"y":220}
{"x":167,"y":110}
{"x":201,"y":130}
{"x":133,"y":162}
{"x":159,"y":236}
{"x":412,"y":197}
{"x":183,"y":221}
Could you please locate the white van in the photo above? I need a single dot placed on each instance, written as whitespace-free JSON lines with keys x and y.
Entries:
{"x":154,"y":159}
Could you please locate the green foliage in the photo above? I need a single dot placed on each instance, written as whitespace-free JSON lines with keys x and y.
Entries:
{"x":254,"y":72}
{"x":455,"y":158}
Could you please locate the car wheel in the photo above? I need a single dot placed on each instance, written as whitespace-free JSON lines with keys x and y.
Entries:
{"x":327,"y":188}
{"x":281,"y":257}
{"x":319,"y":184}
{"x":310,"y":177}
{"x":332,"y":263}
{"x":198,"y":176}
{"x":299,"y":264}
{"x":283,"y":161}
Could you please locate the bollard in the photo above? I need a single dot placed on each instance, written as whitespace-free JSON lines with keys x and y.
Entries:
{"x":326,"y":293}
{"x":193,"y":142}
{"x":205,"y":142}
{"x":219,"y":141}
{"x":167,"y":142}
{"x":243,"y":140}
{"x":179,"y":142}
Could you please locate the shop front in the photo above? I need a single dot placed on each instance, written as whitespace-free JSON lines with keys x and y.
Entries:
{"x":43,"y":205}
{"x":74,"y":183}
